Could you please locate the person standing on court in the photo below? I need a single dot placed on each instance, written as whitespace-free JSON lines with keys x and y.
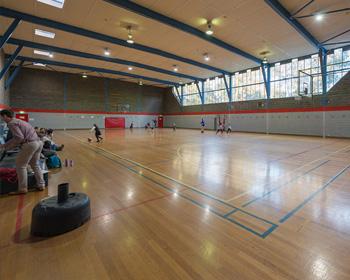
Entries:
{"x":25,"y":137}
{"x":97,"y":133}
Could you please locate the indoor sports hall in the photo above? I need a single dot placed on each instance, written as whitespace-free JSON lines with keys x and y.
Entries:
{"x":175,"y":139}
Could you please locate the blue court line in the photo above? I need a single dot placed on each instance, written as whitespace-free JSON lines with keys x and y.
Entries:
{"x":230,"y":213}
{"x":286,"y":183}
{"x":301,"y":205}
{"x":225,"y":216}
{"x":262,"y":235}
{"x":297,"y":154}
{"x":173,"y":180}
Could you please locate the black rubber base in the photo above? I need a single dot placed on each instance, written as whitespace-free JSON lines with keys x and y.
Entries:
{"x":51,"y":218}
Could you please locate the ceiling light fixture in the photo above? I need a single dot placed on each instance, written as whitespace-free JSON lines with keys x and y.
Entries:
{"x":209,"y":30}
{"x":44,"y":33}
{"x":54,"y":3}
{"x":130,"y":39}
{"x":45,"y":53}
{"x":107,"y":52}
{"x":319,"y":17}
{"x":84,"y":75}
{"x":264,"y":60}
{"x":206,"y":57}
{"x":130,"y":68}
{"x":175,"y":68}
{"x":39,"y":64}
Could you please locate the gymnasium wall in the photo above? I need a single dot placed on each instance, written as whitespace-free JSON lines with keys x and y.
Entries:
{"x":83,"y":120}
{"x":318,"y":116}
{"x":4,"y":94}
{"x":61,"y":100}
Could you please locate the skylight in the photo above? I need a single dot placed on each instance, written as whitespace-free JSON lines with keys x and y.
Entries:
{"x":54,"y":3}
{"x":44,"y":33}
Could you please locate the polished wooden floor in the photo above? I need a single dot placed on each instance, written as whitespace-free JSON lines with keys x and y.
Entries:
{"x":185,"y":205}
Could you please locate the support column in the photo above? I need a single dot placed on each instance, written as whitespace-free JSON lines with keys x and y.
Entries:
{"x":182,"y":96}
{"x":13,"y":75}
{"x":265,"y":68}
{"x":323,"y":62}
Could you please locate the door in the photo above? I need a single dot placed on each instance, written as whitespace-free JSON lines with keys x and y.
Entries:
{"x":114,"y":122}
{"x":160,"y":121}
{"x":23,"y":117}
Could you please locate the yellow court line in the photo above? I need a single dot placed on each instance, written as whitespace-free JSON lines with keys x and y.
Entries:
{"x":151,"y":170}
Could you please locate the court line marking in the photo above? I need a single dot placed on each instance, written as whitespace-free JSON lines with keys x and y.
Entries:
{"x":174,"y":180}
{"x":262,"y":235}
{"x":301,"y":205}
{"x":293,"y":171}
{"x":150,"y":169}
{"x":284,"y":184}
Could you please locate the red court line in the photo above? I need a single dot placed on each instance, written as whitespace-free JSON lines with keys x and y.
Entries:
{"x":30,"y":239}
{"x":19,"y":217}
{"x":279,"y":110}
{"x":3,"y":106}
{"x":232,"y":112}
{"x":131,"y":206}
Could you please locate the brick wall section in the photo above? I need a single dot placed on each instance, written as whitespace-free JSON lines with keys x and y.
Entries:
{"x":37,"y":89}
{"x":40,"y":89}
{"x":339,"y":95}
{"x":85,"y":94}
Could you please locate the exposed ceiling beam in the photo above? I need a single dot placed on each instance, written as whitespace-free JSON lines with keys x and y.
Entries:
{"x":102,"y":37}
{"x":49,"y":48}
{"x":95,"y":69}
{"x":283,"y":12}
{"x":325,"y":13}
{"x":143,"y":11}
{"x":9,"y":31}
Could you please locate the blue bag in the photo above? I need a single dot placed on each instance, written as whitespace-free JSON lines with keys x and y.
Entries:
{"x":53,"y":162}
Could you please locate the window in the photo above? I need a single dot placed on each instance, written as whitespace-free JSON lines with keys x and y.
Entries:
{"x":215,"y":91}
{"x":288,"y":79}
{"x":248,"y":85}
{"x":338,"y":64}
{"x":175,"y":93}
{"x":191,"y":95}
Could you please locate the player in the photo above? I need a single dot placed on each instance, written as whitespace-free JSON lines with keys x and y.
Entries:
{"x":97,"y":133}
{"x":220,"y":129}
{"x":174,"y":126}
{"x":202,"y":126}
{"x":229,"y":129}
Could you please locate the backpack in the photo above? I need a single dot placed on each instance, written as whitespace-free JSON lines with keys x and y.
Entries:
{"x":53,"y":162}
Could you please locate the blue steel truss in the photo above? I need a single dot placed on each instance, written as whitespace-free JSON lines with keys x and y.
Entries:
{"x":102,"y":37}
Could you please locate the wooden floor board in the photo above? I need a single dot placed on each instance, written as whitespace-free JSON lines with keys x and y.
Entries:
{"x":186,"y":205}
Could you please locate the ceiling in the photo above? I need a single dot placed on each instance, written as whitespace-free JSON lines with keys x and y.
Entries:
{"x":250,"y":25}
